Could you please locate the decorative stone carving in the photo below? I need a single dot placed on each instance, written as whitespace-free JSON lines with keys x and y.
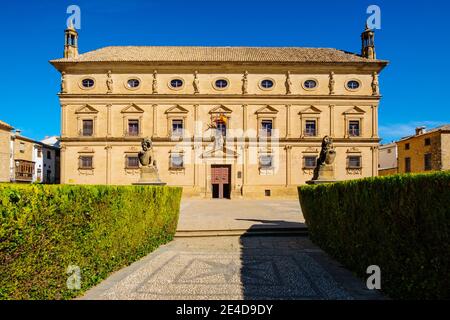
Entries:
{"x":324,"y":171}
{"x":149,"y":170}
{"x":63,"y":82}
{"x":109,"y":82}
{"x":288,"y":83}
{"x":195,"y":83}
{"x":245,"y":83}
{"x":331,"y":83}
{"x":155,"y":82}
{"x":375,"y":84}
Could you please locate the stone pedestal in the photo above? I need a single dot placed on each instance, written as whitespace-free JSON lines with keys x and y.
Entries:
{"x":323,"y":174}
{"x":149,"y":176}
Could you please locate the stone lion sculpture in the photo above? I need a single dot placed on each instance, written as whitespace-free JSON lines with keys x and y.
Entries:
{"x":324,"y":170}
{"x":146,"y":157}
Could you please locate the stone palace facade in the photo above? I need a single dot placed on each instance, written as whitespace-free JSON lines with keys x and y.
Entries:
{"x":224,"y":121}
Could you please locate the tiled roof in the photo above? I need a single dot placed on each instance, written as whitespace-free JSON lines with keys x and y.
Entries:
{"x":4,"y":124}
{"x":216,"y":54}
{"x":445,"y":127}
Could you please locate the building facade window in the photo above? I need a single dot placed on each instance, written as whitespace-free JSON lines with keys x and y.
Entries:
{"x":88,"y":128}
{"x":265,"y":162}
{"x":427,"y":141}
{"x":407,"y":164}
{"x":309,"y":162}
{"x":266,"y":84}
{"x":354,"y":162}
{"x":266,"y":128}
{"x":406,"y":146}
{"x":222,"y":127}
{"x":177,"y":127}
{"x":87,"y":83}
{"x":86,"y":162}
{"x":133,"y":127}
{"x":176,"y":161}
{"x":354,"y":128}
{"x":353,"y":85}
{"x":131,"y":162}
{"x":310,"y":128}
{"x":39,"y":153}
{"x":427,"y":162}
{"x":176,"y":83}
{"x":221,"y":83}
{"x":22,"y":147}
{"x":310,"y":84}
{"x":133,"y":83}
{"x":49,"y":154}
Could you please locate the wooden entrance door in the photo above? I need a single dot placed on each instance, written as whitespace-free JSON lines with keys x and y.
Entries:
{"x":220,"y":180}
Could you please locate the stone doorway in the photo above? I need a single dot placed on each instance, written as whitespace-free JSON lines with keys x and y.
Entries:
{"x":221,"y":181}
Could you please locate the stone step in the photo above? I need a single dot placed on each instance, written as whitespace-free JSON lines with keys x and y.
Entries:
{"x":303,"y":231}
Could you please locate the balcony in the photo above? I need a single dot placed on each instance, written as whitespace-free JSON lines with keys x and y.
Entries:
{"x":24,"y":170}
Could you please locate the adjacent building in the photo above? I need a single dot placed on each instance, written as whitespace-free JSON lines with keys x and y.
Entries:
{"x":387,"y":163}
{"x":425,"y":151}
{"x":24,"y":160}
{"x":224,"y":121}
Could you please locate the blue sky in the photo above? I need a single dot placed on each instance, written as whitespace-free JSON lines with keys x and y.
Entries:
{"x":413,"y":37}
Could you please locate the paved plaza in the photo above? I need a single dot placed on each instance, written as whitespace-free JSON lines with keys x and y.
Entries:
{"x":235,"y":267}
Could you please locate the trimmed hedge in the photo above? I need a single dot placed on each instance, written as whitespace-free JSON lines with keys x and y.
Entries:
{"x":400,"y":223}
{"x":46,"y":228}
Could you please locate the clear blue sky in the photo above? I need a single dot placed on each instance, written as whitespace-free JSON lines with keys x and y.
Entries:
{"x":413,"y":36}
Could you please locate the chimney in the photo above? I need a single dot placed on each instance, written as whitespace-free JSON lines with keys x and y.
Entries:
{"x":18,"y":132}
{"x":420,"y":130}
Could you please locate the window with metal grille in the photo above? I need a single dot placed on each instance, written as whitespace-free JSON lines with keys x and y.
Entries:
{"x":176,"y":161}
{"x":133,"y":127}
{"x":132,"y":162}
{"x":310,"y":128}
{"x":354,"y":162}
{"x":177,"y":127}
{"x":86,"y":162}
{"x":309,"y":162}
{"x":266,"y":128}
{"x":354,"y":128}
{"x":265,"y":161}
{"x":88,"y":128}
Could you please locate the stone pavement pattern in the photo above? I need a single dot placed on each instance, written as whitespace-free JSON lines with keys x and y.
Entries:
{"x":235,"y":267}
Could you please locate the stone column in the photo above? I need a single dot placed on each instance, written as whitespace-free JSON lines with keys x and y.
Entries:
{"x":108,"y":120}
{"x":288,"y":121}
{"x":108,"y":164}
{"x":244,"y":118}
{"x":195,"y":120}
{"x":155,"y":121}
{"x":332,"y":120}
{"x":288,"y":164}
{"x":63,"y":119}
{"x":62,"y":166}
{"x":374,"y":161}
{"x":374,"y":121}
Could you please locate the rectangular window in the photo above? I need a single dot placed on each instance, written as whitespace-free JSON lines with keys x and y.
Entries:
{"x":427,"y":161}
{"x":222,"y":127}
{"x":407,"y":164}
{"x":176,"y":161}
{"x":133,"y":127}
{"x":132,"y":162}
{"x":309,"y":162}
{"x":310,"y":128}
{"x":86,"y":162}
{"x":39,"y":153}
{"x":354,"y":128}
{"x":354,"y":162}
{"x":406,"y":146}
{"x":265,"y":161}
{"x":22,"y":147}
{"x":88,"y":128}
{"x":427,"y":141}
{"x":49,"y":154}
{"x":266,"y":128}
{"x":177,"y":127}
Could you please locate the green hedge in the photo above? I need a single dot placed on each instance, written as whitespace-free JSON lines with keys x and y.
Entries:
{"x":400,"y":223}
{"x":46,"y":228}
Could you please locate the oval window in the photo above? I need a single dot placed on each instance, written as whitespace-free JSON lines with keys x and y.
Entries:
{"x":221,"y":83}
{"x":353,"y":84}
{"x":87,"y":83}
{"x":176,"y":83}
{"x":133,"y":83}
{"x":310,"y":84}
{"x":267,"y":84}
